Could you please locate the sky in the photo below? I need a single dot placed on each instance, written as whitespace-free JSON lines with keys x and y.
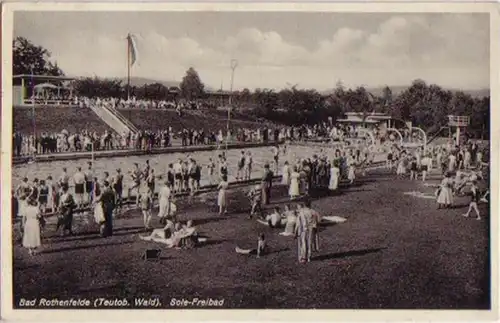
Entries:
{"x":273,"y":49}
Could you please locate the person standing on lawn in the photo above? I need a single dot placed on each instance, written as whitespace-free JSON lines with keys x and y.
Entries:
{"x":66,"y":207}
{"x":444,"y":193}
{"x":31,"y":225}
{"x":267,"y":181}
{"x":474,"y":192}
{"x":303,"y":234}
{"x":255,"y":195}
{"x":137,"y":176}
{"x":118,"y":188}
{"x":107,"y":200}
{"x":222,"y":197}
{"x":147,"y":207}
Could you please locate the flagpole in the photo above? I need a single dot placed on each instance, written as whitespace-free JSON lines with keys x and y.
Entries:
{"x":128,"y":67}
{"x":33,"y":111}
{"x":93,"y":152}
{"x":234,"y":64}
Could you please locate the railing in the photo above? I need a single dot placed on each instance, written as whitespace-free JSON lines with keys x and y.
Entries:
{"x":105,"y":114}
{"x":126,"y":121}
{"x":49,"y":102}
{"x":436,"y":135}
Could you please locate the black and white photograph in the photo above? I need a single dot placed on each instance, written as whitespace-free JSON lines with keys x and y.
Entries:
{"x":244,"y":159}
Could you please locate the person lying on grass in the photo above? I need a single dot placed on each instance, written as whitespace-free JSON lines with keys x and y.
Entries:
{"x":175,"y":236}
{"x":275,"y":219}
{"x":261,"y":250}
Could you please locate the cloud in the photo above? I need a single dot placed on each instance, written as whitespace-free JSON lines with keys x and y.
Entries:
{"x":401,"y":48}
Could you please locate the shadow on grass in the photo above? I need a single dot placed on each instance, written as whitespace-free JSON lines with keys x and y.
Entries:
{"x":94,"y":231}
{"x":459,"y":206}
{"x":346,"y":254}
{"x":323,"y":225}
{"x":94,"y":235}
{"x":212,"y":242}
{"x":26,"y":267}
{"x":357,"y":190}
{"x":84,"y":247}
{"x":278,"y":250}
{"x":209,"y":220}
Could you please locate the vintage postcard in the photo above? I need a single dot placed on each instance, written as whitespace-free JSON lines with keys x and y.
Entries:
{"x":206,"y":158}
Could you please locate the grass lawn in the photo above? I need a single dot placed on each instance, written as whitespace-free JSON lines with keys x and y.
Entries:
{"x":394,"y":251}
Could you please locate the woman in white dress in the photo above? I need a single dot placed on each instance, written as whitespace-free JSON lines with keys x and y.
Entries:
{"x":444,"y":192}
{"x":222,"y":198}
{"x":467,"y":159}
{"x":285,"y":180}
{"x":220,"y":137}
{"x":293,"y":191}
{"x":164,"y":200}
{"x":401,"y":170}
{"x":351,"y":174}
{"x":334,"y":176}
{"x":31,"y":235}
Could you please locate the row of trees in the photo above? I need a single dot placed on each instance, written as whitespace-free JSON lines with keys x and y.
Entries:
{"x":426,"y":105}
{"x":190,"y":88}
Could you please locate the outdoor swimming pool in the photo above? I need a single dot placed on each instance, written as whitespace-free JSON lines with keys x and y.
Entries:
{"x":159,"y":163}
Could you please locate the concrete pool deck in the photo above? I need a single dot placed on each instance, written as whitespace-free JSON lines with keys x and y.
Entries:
{"x":75,"y":155}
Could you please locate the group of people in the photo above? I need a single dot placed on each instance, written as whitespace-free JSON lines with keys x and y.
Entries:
{"x":463,"y":167}
{"x":85,"y":140}
{"x":51,"y":143}
{"x":322,"y":171}
{"x":302,"y":222}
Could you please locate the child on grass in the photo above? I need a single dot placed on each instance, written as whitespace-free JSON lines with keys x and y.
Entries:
{"x":474,"y":199}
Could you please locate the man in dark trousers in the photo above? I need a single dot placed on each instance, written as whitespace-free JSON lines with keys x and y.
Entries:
{"x":107,"y":200}
{"x":267,"y":181}
{"x":67,"y":208}
{"x":314,"y":171}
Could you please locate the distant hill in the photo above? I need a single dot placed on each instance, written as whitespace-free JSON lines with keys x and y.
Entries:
{"x":396,"y":90}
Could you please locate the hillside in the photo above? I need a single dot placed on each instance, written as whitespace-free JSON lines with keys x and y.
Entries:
{"x":53,"y":119}
{"x":213,"y":120}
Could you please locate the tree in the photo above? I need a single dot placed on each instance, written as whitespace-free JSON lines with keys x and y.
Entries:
{"x":28,"y":58}
{"x":99,"y":88}
{"x":155,"y":91}
{"x":191,"y":85}
{"x":244,"y":96}
{"x":359,"y":100}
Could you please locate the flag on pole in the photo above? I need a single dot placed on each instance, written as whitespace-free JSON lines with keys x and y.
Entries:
{"x":132,"y":49}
